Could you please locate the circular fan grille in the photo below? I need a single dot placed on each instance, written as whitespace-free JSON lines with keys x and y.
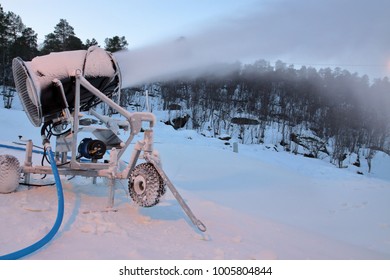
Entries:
{"x":27,"y":91}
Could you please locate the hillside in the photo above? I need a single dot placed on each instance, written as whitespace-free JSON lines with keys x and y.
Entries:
{"x":256,"y":204}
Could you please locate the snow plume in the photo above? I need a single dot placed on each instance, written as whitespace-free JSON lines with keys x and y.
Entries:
{"x":170,"y":60}
{"x":346,"y":33}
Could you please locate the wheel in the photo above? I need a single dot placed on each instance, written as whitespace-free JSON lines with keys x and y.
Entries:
{"x":9,"y":173}
{"x":146,"y":186}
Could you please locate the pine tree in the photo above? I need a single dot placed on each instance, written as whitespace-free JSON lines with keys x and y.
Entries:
{"x":115,"y":43}
{"x":62,"y":39}
{"x":90,"y":43}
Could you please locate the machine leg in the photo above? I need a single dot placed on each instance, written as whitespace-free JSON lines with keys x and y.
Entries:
{"x":111,"y":194}
{"x":111,"y":180}
{"x":176,"y":194}
{"x":94,"y":179}
{"x":28,"y":161}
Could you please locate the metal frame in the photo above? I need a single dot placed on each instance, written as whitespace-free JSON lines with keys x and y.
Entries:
{"x":95,"y":169}
{"x":134,"y":121}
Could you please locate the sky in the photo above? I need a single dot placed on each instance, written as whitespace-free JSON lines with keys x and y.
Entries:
{"x":350,"y":34}
{"x":141,"y":22}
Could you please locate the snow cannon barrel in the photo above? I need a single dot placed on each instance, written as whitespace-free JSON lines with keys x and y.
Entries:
{"x":36,"y":81}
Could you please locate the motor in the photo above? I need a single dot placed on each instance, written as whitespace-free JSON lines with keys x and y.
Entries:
{"x":92,"y":149}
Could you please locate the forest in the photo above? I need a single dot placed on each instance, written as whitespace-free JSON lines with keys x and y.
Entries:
{"x":316,"y":112}
{"x":328,"y":112}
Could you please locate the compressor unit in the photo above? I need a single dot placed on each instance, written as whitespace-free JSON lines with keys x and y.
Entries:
{"x":55,"y":90}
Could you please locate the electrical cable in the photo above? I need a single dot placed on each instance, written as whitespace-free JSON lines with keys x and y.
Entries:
{"x":36,"y":185}
{"x":20,"y":149}
{"x":47,"y":133}
{"x":24,"y":144}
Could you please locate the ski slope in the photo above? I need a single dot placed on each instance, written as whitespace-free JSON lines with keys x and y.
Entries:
{"x":256,"y":204}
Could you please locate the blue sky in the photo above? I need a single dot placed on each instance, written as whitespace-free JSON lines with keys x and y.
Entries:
{"x":141,"y":22}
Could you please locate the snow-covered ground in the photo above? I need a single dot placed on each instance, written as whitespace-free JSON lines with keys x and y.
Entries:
{"x":256,"y":204}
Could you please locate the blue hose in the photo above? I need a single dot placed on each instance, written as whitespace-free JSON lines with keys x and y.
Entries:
{"x":60,"y":215}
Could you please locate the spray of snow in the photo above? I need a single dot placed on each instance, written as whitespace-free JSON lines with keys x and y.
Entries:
{"x":299,"y":32}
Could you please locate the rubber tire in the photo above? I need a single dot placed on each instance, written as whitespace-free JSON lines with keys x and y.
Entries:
{"x":146,"y":186}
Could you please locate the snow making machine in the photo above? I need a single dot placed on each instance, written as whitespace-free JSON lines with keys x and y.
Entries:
{"x":55,"y":90}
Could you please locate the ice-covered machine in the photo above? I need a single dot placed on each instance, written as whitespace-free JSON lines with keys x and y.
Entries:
{"x":54,"y":89}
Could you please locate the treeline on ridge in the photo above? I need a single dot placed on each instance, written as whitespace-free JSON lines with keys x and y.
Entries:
{"x":18,"y":40}
{"x":326,"y":111}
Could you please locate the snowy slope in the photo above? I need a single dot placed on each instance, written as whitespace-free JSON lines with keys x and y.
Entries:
{"x":256,"y":204}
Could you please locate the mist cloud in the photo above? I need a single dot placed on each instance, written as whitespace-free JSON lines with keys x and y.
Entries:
{"x":351,"y":34}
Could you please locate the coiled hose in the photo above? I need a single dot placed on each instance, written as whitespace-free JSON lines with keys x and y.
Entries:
{"x":60,"y":215}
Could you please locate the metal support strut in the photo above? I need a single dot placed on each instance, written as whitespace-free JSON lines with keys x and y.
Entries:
{"x":176,"y":194}
{"x":110,"y":170}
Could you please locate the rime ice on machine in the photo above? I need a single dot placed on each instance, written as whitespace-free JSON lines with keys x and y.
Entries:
{"x":56,"y":90}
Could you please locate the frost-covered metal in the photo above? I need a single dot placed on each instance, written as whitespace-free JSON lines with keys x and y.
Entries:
{"x":36,"y":81}
{"x":55,"y":89}
{"x":9,"y":173}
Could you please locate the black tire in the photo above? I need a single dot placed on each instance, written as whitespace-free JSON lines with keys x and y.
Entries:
{"x":146,"y":186}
